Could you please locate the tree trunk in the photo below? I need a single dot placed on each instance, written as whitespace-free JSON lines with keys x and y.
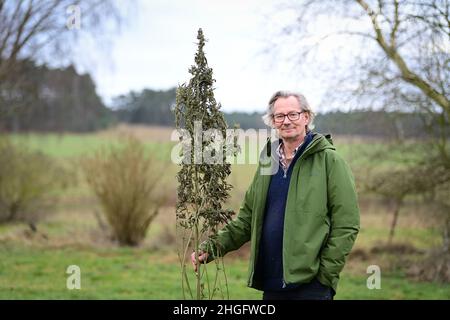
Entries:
{"x":397,"y":205}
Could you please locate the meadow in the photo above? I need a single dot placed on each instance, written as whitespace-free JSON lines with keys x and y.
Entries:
{"x":33,"y":264}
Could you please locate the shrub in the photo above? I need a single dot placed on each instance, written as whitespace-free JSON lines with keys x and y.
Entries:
{"x":125,"y":180}
{"x":27,"y":180}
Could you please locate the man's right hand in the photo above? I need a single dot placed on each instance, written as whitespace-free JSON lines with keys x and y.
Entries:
{"x":202,"y":257}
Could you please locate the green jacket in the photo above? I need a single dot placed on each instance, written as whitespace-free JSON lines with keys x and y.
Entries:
{"x":321,"y":217}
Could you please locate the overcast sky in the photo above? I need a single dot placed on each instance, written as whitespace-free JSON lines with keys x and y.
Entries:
{"x":156,"y":48}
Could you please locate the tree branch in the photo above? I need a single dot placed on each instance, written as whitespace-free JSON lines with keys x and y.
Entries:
{"x":406,"y":73}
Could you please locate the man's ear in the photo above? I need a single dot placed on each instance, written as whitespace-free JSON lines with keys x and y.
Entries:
{"x":307,"y":117}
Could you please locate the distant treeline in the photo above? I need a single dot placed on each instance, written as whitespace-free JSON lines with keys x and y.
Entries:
{"x":63,"y":100}
{"x":362,"y":123}
{"x":45,"y":99}
{"x":154,"y":107}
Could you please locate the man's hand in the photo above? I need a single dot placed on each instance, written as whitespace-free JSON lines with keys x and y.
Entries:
{"x":202,"y":257}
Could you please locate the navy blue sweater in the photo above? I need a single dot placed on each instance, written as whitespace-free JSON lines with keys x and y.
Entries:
{"x":270,"y":259}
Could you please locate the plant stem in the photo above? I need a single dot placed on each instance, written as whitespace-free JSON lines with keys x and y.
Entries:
{"x":183,"y":266}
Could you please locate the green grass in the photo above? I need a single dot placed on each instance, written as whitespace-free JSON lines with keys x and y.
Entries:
{"x":421,"y":238}
{"x":394,"y":286}
{"x":126,"y":273}
{"x":75,"y":145}
{"x":105,"y":274}
{"x":64,"y":145}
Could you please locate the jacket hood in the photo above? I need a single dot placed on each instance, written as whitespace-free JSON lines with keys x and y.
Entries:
{"x":319,"y":143}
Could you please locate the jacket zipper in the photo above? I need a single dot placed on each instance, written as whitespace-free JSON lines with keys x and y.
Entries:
{"x":282,"y":250}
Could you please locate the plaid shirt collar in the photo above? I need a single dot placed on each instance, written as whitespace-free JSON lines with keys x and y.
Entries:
{"x":282,"y":155}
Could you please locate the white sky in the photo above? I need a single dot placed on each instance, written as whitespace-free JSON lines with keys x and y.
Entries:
{"x":157,"y":47}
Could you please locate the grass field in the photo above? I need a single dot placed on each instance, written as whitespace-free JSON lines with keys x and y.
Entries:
{"x":33,"y":265}
{"x":142,"y":274}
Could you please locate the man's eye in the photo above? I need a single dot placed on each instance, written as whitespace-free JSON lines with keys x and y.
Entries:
{"x":292,"y":114}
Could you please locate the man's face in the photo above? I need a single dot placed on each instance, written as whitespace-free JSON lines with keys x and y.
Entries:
{"x":289,"y":129}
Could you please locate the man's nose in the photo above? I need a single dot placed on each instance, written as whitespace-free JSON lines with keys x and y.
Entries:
{"x":286,"y":120}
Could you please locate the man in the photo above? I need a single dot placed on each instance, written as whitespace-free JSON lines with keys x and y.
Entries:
{"x":303,"y":219}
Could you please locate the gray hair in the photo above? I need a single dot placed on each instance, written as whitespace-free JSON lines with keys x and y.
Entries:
{"x":304,"y":106}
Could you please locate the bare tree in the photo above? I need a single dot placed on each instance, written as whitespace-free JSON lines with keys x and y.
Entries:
{"x":395,"y":54}
{"x":409,"y":179}
{"x":47,"y":31}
